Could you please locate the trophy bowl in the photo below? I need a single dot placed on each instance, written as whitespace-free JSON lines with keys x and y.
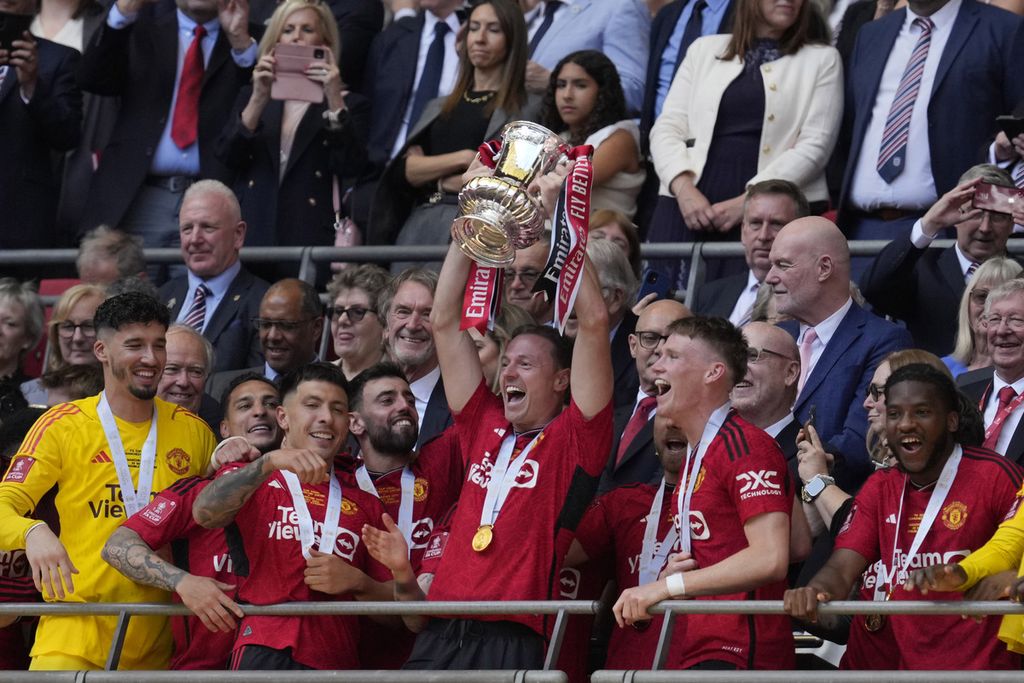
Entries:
{"x":497,"y":213}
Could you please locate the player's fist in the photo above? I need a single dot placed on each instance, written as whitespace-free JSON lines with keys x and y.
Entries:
{"x":802,"y":603}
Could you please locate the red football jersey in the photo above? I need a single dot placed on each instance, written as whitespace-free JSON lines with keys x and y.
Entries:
{"x":214,"y":553}
{"x":270,"y":534}
{"x":983,"y":490}
{"x":533,"y":531}
{"x":743,"y":475}
{"x":15,"y":586}
{"x":613,"y":529}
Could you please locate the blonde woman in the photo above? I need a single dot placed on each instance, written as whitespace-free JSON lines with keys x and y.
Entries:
{"x":971,"y":349}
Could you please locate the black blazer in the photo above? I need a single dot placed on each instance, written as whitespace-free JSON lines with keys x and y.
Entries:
{"x":719,"y":297}
{"x":236,"y":344}
{"x":921,"y":287}
{"x":787,"y":442}
{"x":640,"y":464}
{"x":29,"y":134}
{"x":437,"y":418}
{"x":139,"y":64}
{"x":627,"y":382}
{"x":296,"y":209}
{"x":977,"y":386}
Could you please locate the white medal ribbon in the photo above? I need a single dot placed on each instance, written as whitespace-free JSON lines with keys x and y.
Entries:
{"x":404,"y":507}
{"x":935,"y":502}
{"x":330,"y":527}
{"x":499,"y":485}
{"x":134,"y":499}
{"x":653,"y":554}
{"x":689,"y":474}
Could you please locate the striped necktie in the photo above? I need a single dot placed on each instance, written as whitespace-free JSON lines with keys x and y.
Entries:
{"x":892,"y":155}
{"x":196,"y":318}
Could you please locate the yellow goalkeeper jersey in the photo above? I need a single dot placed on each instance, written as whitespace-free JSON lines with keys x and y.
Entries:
{"x":1002,"y":552}
{"x":67,"y":448}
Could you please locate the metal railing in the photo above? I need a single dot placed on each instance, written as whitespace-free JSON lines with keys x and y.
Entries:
{"x":562,"y":609}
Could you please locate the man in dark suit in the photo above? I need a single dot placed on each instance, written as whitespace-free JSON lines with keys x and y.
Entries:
{"x":175,"y":96}
{"x":998,"y":389}
{"x":969,"y":74}
{"x":218,"y":297}
{"x":405,"y":307}
{"x":618,"y":287}
{"x":768,"y":206}
{"x":922,"y":286}
{"x":840,"y":343}
{"x":633,"y":459}
{"x":40,"y":113}
{"x":290,"y":323}
{"x":395,"y":70}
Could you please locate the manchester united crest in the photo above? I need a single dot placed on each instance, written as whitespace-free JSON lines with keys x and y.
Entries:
{"x":348,"y":507}
{"x":178,"y":461}
{"x":420,"y":489}
{"x":954,"y":515}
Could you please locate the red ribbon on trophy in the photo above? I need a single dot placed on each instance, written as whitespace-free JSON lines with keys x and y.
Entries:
{"x":481,"y":302}
{"x":561,"y":277}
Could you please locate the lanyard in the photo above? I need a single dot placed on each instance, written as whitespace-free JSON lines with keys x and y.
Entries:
{"x":653,"y":553}
{"x":499,"y":485}
{"x":935,"y":503}
{"x":690,"y":473}
{"x":404,"y":507}
{"x":134,"y":500}
{"x":329,"y":529}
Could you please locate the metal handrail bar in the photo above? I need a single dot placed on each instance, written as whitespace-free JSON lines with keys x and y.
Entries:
{"x":489,"y":676}
{"x":608,"y":676}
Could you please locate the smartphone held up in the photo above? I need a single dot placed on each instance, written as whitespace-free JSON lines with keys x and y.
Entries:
{"x":291,"y":81}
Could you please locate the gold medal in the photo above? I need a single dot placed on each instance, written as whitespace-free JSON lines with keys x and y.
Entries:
{"x":483,"y":537}
{"x":874,"y":622}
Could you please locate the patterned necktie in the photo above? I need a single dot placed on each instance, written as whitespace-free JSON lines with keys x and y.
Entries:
{"x":185,"y":124}
{"x":806,"y":352}
{"x":892,"y":154}
{"x":196,"y":317}
{"x":549,"y":16}
{"x":640,"y":417}
{"x":1006,"y":395}
{"x":1018,"y":174}
{"x":970,"y":272}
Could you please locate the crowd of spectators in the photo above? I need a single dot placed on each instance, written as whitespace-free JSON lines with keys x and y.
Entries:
{"x":822,"y":424}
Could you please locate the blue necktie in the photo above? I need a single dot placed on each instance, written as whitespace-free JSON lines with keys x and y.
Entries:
{"x":549,"y":16}
{"x":893,"y":153}
{"x":692,"y":32}
{"x":430,"y":79}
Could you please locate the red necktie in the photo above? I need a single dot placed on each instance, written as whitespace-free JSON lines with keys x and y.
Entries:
{"x":635,"y":424}
{"x":1006,"y":395}
{"x":185,"y":124}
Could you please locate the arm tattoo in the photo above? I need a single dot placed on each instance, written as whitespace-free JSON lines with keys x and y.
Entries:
{"x":221,"y":500}
{"x":126,"y":553}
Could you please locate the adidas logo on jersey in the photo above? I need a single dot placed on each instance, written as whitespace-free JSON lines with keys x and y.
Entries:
{"x":891,"y":519}
{"x":100,"y":457}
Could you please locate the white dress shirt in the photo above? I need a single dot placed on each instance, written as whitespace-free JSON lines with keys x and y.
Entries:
{"x":825,"y":330}
{"x":741,"y":311}
{"x":1012,"y":420}
{"x":422,"y":389}
{"x":914,"y":188}
{"x":775,"y":429}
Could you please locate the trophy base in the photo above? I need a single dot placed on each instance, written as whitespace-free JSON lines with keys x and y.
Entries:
{"x":497,"y":218}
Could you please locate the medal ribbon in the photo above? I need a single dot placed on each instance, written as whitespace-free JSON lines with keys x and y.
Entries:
{"x":653,"y":554}
{"x":561,"y":277}
{"x":134,"y":499}
{"x":404,"y":507}
{"x":329,"y":529}
{"x":498,"y":484}
{"x":935,"y":503}
{"x":689,"y":474}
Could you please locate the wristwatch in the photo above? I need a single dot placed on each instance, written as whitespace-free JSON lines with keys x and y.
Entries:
{"x":814,"y":488}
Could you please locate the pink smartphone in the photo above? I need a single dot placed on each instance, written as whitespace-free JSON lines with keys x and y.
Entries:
{"x":997,"y":198}
{"x":290,"y":79}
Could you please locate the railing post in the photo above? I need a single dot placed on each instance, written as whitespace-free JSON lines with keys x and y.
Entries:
{"x":557,"y":635}
{"x":696,"y":274}
{"x":307,"y":267}
{"x":114,"y":658}
{"x":664,"y":640}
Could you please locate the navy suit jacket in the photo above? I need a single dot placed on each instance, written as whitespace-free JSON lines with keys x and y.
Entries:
{"x":438,"y":416}
{"x":627,"y":382}
{"x":390,"y":72}
{"x":921,"y":287}
{"x":838,"y":383}
{"x":979,"y":77}
{"x":640,"y":464}
{"x":236,"y":344}
{"x":718,"y":297}
{"x":977,"y":386}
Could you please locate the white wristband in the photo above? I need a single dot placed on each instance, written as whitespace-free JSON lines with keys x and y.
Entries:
{"x":675,"y":584}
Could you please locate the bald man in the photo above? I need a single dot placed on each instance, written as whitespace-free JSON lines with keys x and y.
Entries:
{"x":839,"y":343}
{"x":633,"y":459}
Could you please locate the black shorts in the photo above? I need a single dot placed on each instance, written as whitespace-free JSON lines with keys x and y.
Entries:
{"x":452,"y":644}
{"x":256,"y":657}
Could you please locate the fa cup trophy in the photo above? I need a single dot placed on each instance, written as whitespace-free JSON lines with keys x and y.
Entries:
{"x":497,"y":214}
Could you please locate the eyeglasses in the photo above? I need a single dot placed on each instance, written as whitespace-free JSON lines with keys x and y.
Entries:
{"x":756,"y":355}
{"x":355,"y":313}
{"x":527,"y":276}
{"x":285,"y":326}
{"x":1015,"y":323}
{"x":875,"y":392}
{"x":649,"y":340}
{"x":192,"y":371}
{"x":66,"y":329}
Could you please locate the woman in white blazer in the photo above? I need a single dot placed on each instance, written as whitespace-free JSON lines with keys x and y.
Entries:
{"x":763,"y":102}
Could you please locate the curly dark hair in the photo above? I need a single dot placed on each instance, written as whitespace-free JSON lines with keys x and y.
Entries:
{"x":970,"y":429}
{"x":130,"y":308}
{"x":610,"y":106}
{"x":381,"y":370}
